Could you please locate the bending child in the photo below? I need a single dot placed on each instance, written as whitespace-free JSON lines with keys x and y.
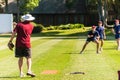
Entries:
{"x":93,"y":36}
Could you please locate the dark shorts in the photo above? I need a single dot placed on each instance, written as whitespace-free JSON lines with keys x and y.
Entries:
{"x":90,"y":39}
{"x":101,"y":37}
{"x":117,"y":36}
{"x":23,"y":52}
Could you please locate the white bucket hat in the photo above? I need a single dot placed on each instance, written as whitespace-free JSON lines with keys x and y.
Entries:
{"x":27,"y":17}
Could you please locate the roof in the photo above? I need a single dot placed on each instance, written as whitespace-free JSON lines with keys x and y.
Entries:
{"x":52,"y":6}
{"x":58,"y":6}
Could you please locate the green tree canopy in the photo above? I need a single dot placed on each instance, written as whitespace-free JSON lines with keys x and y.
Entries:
{"x":69,"y":3}
{"x":28,"y":5}
{"x":104,"y":7}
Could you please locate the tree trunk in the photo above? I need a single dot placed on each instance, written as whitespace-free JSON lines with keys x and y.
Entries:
{"x":6,"y":6}
{"x":100,"y":9}
{"x":103,"y":12}
{"x":18,"y":11}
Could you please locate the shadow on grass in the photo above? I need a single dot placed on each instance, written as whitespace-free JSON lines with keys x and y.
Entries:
{"x":9,"y":77}
{"x":72,"y":53}
{"x":63,"y":37}
{"x":113,"y":48}
{"x":14,"y":77}
{"x":51,"y":35}
{"x":57,"y":33}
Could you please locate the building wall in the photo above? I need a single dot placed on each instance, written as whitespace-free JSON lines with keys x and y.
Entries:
{"x":54,"y":12}
{"x":58,"y":19}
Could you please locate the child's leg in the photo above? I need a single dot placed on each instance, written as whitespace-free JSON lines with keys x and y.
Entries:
{"x":86,"y":43}
{"x":97,"y":42}
{"x":118,"y":43}
{"x":101,"y":44}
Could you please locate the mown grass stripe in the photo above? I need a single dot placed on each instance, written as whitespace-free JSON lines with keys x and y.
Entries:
{"x":9,"y":66}
{"x":39,"y":50}
{"x":95,"y":66}
{"x":63,"y":55}
{"x":57,"y":58}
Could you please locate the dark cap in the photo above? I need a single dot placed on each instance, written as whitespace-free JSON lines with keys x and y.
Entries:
{"x":116,"y":20}
{"x":93,"y":27}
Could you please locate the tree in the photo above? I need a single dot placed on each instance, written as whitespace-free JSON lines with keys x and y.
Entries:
{"x":25,"y":6}
{"x":18,"y":11}
{"x":6,"y":6}
{"x":116,"y":7}
{"x":69,"y":3}
{"x":108,"y":5}
{"x":104,"y":6}
{"x":2,"y":4}
{"x":28,"y":5}
{"x":103,"y":11}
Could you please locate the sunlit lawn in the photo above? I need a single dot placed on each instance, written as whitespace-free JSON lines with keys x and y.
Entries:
{"x":59,"y":51}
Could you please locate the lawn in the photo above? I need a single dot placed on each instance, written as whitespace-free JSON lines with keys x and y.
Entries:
{"x":59,"y":51}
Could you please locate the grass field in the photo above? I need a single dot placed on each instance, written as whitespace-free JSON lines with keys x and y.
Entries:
{"x":59,"y":51}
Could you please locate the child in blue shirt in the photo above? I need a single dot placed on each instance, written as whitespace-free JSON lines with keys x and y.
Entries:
{"x":101,"y":30}
{"x":93,"y":36}
{"x":116,"y":32}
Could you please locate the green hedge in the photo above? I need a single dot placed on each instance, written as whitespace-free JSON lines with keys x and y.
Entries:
{"x":64,"y":27}
{"x":37,"y":28}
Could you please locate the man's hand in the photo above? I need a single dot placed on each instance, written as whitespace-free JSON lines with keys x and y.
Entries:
{"x":10,"y":45}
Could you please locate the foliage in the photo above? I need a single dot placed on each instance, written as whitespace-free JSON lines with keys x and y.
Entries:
{"x":37,"y":28}
{"x":62,"y":54}
{"x":64,"y":27}
{"x":70,"y":3}
{"x":34,"y":24}
{"x":28,"y":5}
{"x":103,"y":7}
{"x":117,"y":8}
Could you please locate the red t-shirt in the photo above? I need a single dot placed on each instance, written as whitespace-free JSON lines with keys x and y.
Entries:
{"x":23,"y":30}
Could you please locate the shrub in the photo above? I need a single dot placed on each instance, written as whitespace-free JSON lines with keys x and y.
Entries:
{"x":38,"y":28}
{"x":34,"y":23}
{"x":51,"y":28}
{"x":70,"y":26}
{"x":64,"y":27}
{"x":79,"y":25}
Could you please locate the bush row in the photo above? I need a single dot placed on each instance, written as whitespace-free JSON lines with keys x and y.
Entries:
{"x":38,"y":27}
{"x":64,"y":27}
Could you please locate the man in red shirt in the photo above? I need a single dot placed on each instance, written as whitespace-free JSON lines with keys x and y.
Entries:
{"x":23,"y":46}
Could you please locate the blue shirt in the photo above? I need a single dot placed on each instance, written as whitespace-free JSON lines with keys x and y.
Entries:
{"x":117,"y":28}
{"x":95,"y":34}
{"x":100,"y":30}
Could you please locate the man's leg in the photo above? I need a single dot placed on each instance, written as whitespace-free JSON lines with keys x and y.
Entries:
{"x":20,"y":63}
{"x":86,"y":43}
{"x":29,"y":63}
